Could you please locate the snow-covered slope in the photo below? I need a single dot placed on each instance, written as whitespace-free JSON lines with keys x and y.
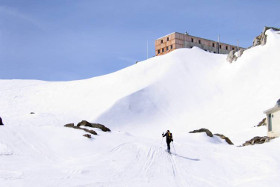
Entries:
{"x":184,"y":90}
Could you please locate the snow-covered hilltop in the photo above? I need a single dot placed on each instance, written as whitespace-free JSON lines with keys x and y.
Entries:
{"x":184,"y":90}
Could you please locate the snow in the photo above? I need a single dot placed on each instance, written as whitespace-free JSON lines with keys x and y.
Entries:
{"x":184,"y":90}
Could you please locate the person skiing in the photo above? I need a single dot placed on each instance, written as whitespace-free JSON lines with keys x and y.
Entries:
{"x":169,"y":138}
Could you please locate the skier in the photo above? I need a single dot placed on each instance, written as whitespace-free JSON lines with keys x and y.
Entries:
{"x":1,"y":123}
{"x":169,"y":138}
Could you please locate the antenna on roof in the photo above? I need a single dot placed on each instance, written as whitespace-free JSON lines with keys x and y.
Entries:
{"x":147,"y":49}
{"x":237,"y":44}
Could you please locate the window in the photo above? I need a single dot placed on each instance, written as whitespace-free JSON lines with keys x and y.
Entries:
{"x":171,"y":47}
{"x":233,"y":48}
{"x":167,"y":48}
{"x":162,"y":50}
{"x":167,"y":38}
{"x":226,"y":48}
{"x":158,"y":51}
{"x":161,"y":41}
{"x":213,"y":44}
{"x":199,"y":41}
{"x":192,"y":39}
{"x":220,"y":46}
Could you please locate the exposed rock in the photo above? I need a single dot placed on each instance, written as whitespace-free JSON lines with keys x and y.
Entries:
{"x":261,"y":39}
{"x":100,"y":126}
{"x":32,"y":113}
{"x":257,"y":140}
{"x":225,"y":138}
{"x":87,"y":135}
{"x":233,"y":56}
{"x":239,"y":53}
{"x":94,"y":125}
{"x":262,"y":123}
{"x":87,"y":124}
{"x":83,"y":123}
{"x":89,"y":131}
{"x":1,"y":123}
{"x":209,"y":133}
{"x":71,"y":125}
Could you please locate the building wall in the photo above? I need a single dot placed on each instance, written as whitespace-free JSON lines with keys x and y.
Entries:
{"x":275,"y":122}
{"x":177,"y":40}
{"x":165,"y":44}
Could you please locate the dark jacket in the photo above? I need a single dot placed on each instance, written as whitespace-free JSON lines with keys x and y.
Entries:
{"x":168,"y":135}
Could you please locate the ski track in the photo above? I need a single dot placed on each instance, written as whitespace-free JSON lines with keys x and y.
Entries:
{"x":10,"y":175}
{"x":146,"y":161}
{"x":150,"y":159}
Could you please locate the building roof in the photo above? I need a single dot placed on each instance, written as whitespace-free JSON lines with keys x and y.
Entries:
{"x":274,"y":109}
{"x":165,"y":35}
{"x":200,"y":38}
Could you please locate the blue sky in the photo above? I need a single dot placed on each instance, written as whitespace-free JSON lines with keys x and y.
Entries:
{"x":77,"y":39}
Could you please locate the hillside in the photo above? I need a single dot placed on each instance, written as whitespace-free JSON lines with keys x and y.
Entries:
{"x":184,"y":90}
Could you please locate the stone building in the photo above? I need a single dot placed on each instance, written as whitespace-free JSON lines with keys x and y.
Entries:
{"x":177,"y":40}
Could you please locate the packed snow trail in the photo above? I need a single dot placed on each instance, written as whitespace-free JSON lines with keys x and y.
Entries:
{"x":62,"y":156}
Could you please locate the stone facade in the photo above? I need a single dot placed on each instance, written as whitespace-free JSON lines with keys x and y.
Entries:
{"x":177,"y":40}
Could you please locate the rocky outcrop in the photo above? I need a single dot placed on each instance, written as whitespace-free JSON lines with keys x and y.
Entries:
{"x":71,"y":125}
{"x":87,"y":135}
{"x":210,"y":134}
{"x":93,"y":125}
{"x":89,"y":131}
{"x":233,"y":56}
{"x":262,"y":123}
{"x":261,"y":39}
{"x":87,"y":124}
{"x":257,"y":140}
{"x":225,"y":138}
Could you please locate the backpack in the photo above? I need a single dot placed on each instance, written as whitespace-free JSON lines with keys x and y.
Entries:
{"x":169,"y":135}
